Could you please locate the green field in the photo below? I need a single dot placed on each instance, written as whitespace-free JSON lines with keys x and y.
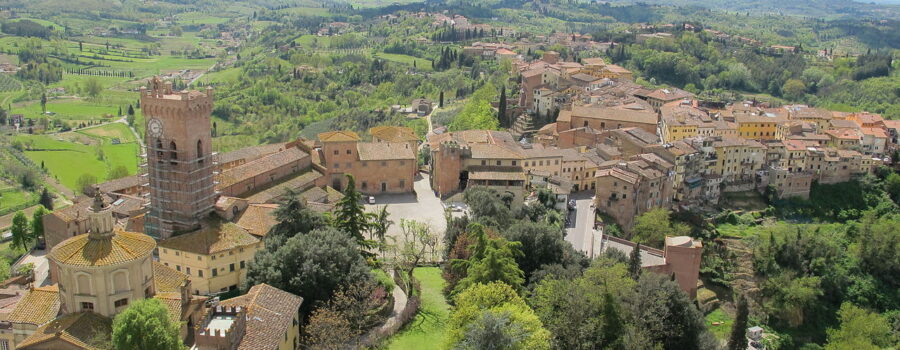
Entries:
{"x":110,"y":131}
{"x":426,"y":330}
{"x":14,"y":197}
{"x":721,"y":331}
{"x":67,"y":160}
{"x":421,"y":63}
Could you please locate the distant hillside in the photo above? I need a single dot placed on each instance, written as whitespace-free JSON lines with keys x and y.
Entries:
{"x":888,"y":9}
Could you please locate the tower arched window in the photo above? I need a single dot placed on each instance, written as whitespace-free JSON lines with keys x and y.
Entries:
{"x":200,"y":151}
{"x":159,"y":149}
{"x":174,"y":153}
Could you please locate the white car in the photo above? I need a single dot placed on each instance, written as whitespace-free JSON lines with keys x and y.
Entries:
{"x":371,"y":199}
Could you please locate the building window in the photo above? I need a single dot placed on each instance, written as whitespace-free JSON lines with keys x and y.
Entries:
{"x":336,"y":152}
{"x":187,"y":270}
{"x":499,"y":162}
{"x":337,"y":165}
{"x":514,"y":163}
{"x":349,"y":152}
{"x":87,"y":306}
{"x":178,"y":267}
{"x":177,"y":253}
{"x":231,"y":267}
{"x":402,"y":183}
{"x":215,"y":272}
{"x":242,"y":264}
{"x":402,"y":163}
{"x":365,"y":164}
{"x":121,"y":302}
{"x":213,"y":257}
{"x":383,"y":163}
{"x":199,"y":273}
{"x":365,"y":185}
{"x":483,"y":162}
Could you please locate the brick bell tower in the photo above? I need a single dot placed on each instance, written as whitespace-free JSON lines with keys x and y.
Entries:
{"x":180,"y":160}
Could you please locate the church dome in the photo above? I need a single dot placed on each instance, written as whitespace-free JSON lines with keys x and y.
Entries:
{"x":88,"y":250}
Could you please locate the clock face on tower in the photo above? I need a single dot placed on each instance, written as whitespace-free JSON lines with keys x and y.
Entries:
{"x":154,"y":127}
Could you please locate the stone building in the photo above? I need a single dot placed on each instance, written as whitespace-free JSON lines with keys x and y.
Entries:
{"x":378,"y":167}
{"x":214,"y":257}
{"x":477,"y":158}
{"x":630,"y":188}
{"x":681,"y":257}
{"x":606,"y":118}
{"x":180,"y":160}
{"x":99,"y":274}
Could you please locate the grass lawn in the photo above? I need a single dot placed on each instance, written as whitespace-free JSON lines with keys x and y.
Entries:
{"x":426,"y":330}
{"x":67,"y":161}
{"x":421,"y":63}
{"x":722,"y":330}
{"x":14,"y":197}
{"x":110,"y":131}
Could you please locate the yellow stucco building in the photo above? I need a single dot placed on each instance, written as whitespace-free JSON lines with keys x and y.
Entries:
{"x":214,"y":257}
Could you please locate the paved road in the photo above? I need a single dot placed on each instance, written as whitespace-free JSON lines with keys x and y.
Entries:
{"x":41,"y":266}
{"x":580,"y":230}
{"x":423,"y":206}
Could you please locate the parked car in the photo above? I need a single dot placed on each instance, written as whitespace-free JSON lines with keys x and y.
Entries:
{"x":572,"y":204}
{"x":371,"y":199}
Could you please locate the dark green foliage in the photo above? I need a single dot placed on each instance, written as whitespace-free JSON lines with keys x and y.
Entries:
{"x":634,"y":262}
{"x":662,"y":310}
{"x":46,"y":199}
{"x":26,"y":27}
{"x":738,"y":338}
{"x":543,"y":242}
{"x":293,"y":218}
{"x":349,"y":216}
{"x":310,"y":265}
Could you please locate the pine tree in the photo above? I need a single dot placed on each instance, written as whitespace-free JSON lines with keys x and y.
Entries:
{"x":738,"y":338}
{"x":634,"y":262}
{"x":350,"y":217}
{"x":130,"y":110}
{"x":441,"y":100}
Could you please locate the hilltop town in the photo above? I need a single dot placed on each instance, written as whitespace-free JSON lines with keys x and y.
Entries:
{"x":544,"y":175}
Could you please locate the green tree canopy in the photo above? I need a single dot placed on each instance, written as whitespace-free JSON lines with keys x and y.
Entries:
{"x":478,"y":113}
{"x":860,"y":329}
{"x":145,"y":325}
{"x":310,"y":265}
{"x":21,"y":232}
{"x":482,"y":308}
{"x":652,"y":227}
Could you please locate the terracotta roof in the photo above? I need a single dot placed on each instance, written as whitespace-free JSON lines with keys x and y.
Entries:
{"x":846,"y":134}
{"x":892,"y":124}
{"x":122,"y":247}
{"x":385,"y":151}
{"x":173,"y":303}
{"x":484,"y":174}
{"x":250,"y":153}
{"x":670,"y":94}
{"x":259,"y":218}
{"x":843,"y":124}
{"x":215,"y":236}
{"x":493,"y":151}
{"x":393,"y":133}
{"x":338,"y":136}
{"x":270,"y":314}
{"x":77,"y":329}
{"x":877,"y":132}
{"x":38,"y":307}
{"x":618,"y":114}
{"x":297,"y":183}
{"x":121,"y":183}
{"x":167,"y":280}
{"x":620,"y":174}
{"x":254,"y":168}
{"x":593,"y":61}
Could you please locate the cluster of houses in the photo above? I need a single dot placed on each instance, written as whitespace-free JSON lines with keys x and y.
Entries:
{"x":639,"y":149}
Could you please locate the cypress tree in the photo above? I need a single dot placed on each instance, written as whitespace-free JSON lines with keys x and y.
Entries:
{"x":46,"y":200}
{"x":738,"y":338}
{"x":501,"y":108}
{"x":634,"y":262}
